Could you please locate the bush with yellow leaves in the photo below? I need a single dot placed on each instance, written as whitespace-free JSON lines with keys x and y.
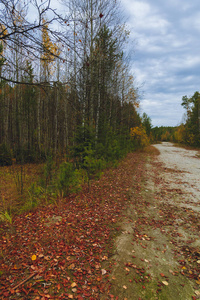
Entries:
{"x":139,"y":135}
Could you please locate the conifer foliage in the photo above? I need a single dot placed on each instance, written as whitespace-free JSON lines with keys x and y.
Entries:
{"x":64,"y":82}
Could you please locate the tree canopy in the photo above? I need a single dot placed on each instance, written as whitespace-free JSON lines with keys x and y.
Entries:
{"x":64,"y":75}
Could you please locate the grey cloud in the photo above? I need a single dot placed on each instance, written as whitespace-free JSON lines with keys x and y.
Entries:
{"x":167,"y":60}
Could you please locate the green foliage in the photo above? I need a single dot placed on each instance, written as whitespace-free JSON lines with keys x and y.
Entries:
{"x":192,"y":125}
{"x":19,"y":178}
{"x":113,"y":151}
{"x":146,"y":122}
{"x":48,"y":170}
{"x":69,"y":180}
{"x":189,"y":133}
{"x":35,"y":192}
{"x":5,"y":155}
{"x":5,"y":216}
{"x":92,"y":165}
{"x":163,"y":133}
{"x":84,"y":139}
{"x":1,"y":58}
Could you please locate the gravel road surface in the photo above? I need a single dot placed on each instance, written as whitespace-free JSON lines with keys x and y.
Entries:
{"x":158,"y":252}
{"x":186,"y":176}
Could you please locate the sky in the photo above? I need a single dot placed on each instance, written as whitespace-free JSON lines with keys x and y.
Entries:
{"x":166,"y":55}
{"x":165,"y":42}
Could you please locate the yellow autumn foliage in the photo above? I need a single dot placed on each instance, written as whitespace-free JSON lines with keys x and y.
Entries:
{"x":140,"y":136}
{"x":33,"y":257}
{"x":50,"y":49}
{"x":180,"y":134}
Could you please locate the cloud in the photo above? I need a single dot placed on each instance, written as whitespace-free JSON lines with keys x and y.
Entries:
{"x":166,"y":62}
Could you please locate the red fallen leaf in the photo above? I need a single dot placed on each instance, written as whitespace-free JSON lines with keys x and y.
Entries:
{"x":161,"y":274}
{"x":99,"y":278}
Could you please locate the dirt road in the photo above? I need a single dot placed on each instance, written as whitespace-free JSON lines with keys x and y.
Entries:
{"x":158,"y":252}
{"x":186,"y":164}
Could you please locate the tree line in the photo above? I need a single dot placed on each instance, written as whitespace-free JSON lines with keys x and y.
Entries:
{"x":189,"y":131}
{"x":65,"y":83}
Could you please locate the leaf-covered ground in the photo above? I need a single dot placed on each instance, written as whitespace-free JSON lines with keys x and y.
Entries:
{"x":63,"y":251}
{"x":128,"y":239}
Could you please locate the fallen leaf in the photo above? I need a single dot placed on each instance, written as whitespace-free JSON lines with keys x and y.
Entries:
{"x":197,"y":293}
{"x":103,"y":271}
{"x":125,"y":287}
{"x":165,"y":282}
{"x":72,"y":266}
{"x":33,"y":257}
{"x":46,"y":257}
{"x":172,"y":272}
{"x":73,"y":284}
{"x":104,"y":258}
{"x":99,"y":278}
{"x":127,"y":269}
{"x":113,"y":278}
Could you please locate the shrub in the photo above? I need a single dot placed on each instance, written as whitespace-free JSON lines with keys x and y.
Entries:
{"x":48,"y":170}
{"x":5,"y":155}
{"x":6,"y":217}
{"x":69,"y":180}
{"x":138,"y":134}
{"x":35,"y":192}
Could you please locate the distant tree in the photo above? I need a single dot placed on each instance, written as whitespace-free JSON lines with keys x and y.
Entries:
{"x":163,"y":133}
{"x":146,"y":122}
{"x":192,"y":125}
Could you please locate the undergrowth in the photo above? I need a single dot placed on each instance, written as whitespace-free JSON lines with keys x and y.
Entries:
{"x":25,"y":187}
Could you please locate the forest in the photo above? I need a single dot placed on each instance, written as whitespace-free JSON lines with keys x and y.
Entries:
{"x":68,"y":90}
{"x":68,"y":100}
{"x":188,"y":132}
